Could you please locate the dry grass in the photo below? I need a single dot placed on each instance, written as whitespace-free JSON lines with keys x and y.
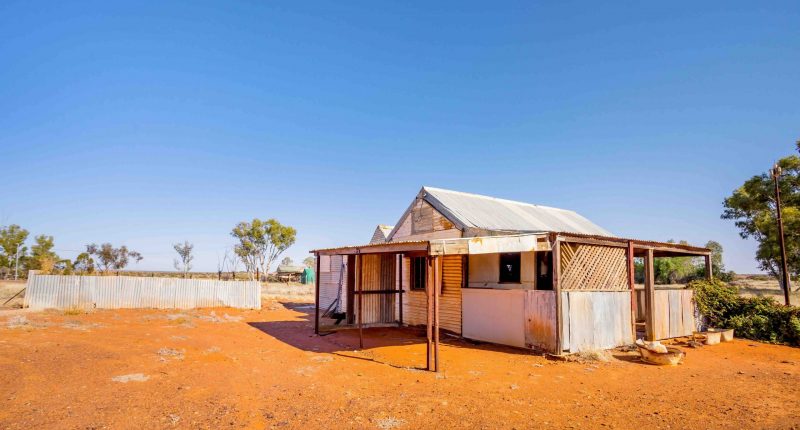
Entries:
{"x":8,"y":289}
{"x":73,"y":311}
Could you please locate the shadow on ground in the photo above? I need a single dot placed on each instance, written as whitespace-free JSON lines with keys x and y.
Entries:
{"x":405,"y":342}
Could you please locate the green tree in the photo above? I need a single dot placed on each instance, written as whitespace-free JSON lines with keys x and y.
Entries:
{"x":752,"y":208}
{"x":84,"y":264}
{"x":310,"y":262}
{"x":109,"y":257}
{"x":184,"y":261}
{"x":717,"y":265}
{"x":261,"y":242}
{"x":42,"y":255}
{"x":674,"y":270}
{"x":12,"y":240}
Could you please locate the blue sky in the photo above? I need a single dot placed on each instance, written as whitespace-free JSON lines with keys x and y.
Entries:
{"x":146,"y":124}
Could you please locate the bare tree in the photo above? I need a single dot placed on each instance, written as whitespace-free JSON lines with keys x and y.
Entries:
{"x":229,"y":263}
{"x":109,"y":257}
{"x":184,"y":262}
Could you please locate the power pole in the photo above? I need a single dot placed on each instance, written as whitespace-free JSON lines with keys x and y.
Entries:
{"x":776,"y":175}
{"x":16,"y":265}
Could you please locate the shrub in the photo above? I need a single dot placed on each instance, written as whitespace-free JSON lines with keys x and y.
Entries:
{"x":715,"y":300}
{"x":757,"y":318}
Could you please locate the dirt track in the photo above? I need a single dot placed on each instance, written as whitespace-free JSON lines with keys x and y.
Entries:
{"x":265,"y":369}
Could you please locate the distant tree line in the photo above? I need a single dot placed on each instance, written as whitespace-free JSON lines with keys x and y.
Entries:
{"x":258,"y":244}
{"x":682,"y":270}
{"x":16,"y":259}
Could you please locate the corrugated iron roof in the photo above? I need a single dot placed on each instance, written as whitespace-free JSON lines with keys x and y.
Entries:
{"x":381,"y":233}
{"x":489,"y":213}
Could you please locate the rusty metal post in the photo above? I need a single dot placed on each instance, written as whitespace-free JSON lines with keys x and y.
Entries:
{"x":429,"y":313}
{"x":709,"y":268}
{"x":360,"y":287}
{"x":649,"y":296}
{"x":556,"y":270}
{"x":437,"y":291}
{"x":316,"y":297}
{"x":632,"y":286}
{"x":401,"y":293}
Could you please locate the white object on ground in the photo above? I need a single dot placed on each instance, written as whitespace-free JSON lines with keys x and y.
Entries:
{"x":137,"y":377}
{"x":654,"y":346}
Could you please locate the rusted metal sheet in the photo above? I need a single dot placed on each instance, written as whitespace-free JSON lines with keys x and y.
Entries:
{"x":116,"y":292}
{"x":540,"y":320}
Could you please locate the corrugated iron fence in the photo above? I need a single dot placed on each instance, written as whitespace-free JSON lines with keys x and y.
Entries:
{"x":116,"y":292}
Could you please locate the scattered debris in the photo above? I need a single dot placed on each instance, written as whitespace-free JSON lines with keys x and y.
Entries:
{"x":135,"y":377}
{"x":167,"y":353}
{"x":17,"y":321}
{"x":591,"y":355}
{"x":78,"y":325}
{"x":389,"y":423}
{"x":173,"y":419}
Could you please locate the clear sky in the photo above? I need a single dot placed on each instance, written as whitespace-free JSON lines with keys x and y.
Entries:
{"x":146,"y":124}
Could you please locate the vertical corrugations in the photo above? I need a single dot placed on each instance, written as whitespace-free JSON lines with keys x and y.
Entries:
{"x":116,"y":292}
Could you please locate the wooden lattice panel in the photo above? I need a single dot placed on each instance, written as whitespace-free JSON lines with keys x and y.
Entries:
{"x":591,"y":267}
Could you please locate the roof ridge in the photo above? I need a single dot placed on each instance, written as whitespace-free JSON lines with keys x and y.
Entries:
{"x":483,"y":196}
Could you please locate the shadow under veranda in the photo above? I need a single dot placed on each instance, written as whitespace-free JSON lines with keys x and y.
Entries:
{"x":299,"y":333}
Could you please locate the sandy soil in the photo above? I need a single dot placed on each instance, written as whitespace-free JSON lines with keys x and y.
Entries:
{"x":224,"y":368}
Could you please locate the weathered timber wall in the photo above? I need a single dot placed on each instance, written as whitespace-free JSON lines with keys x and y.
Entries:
{"x":377,"y":273}
{"x":424,"y":222}
{"x":674,"y":313}
{"x":415,"y":301}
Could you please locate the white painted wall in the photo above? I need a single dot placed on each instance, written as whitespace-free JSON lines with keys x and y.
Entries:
{"x":484,"y":272}
{"x":496,"y":316}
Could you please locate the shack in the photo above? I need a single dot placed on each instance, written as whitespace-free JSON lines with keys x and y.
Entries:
{"x":505,"y":272}
{"x":289,"y":273}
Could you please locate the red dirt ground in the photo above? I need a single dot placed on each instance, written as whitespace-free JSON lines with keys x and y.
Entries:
{"x":266,"y":369}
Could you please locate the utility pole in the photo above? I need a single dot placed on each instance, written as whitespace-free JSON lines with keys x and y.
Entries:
{"x":16,"y":265}
{"x":776,"y":175}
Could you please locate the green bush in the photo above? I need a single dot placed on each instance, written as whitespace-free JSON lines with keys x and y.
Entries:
{"x":757,"y":318}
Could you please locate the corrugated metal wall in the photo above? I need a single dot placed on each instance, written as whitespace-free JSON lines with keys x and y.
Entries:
{"x":115,"y":292}
{"x":596,"y":319}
